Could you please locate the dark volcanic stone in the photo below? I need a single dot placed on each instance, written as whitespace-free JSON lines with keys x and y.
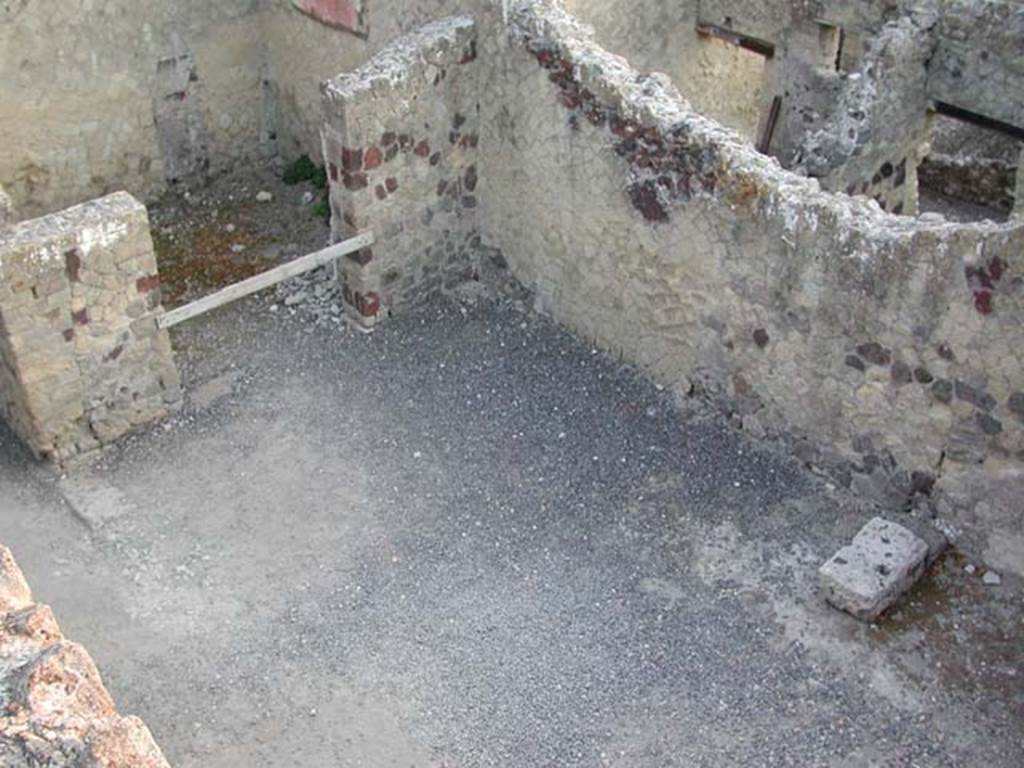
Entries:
{"x":875,"y":353}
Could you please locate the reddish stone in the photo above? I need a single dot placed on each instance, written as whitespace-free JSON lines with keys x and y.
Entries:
{"x":351,"y":159}
{"x":983,"y":302}
{"x":147,"y":283}
{"x":391,"y":184}
{"x":333,"y":170}
{"x":644,"y":197}
{"x":546,"y":58}
{"x":996,"y":267}
{"x":355,"y":181}
{"x":343,"y":14}
{"x":368,"y":305}
{"x":73,"y":265}
{"x":469,"y":141}
{"x":627,"y":129}
{"x":362,"y":257}
{"x":374,"y":158}
{"x":423,"y":149}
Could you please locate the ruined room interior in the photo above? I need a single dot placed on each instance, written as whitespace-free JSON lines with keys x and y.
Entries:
{"x":468,"y":383}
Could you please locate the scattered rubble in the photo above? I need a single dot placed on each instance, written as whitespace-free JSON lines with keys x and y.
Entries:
{"x":992,"y":579}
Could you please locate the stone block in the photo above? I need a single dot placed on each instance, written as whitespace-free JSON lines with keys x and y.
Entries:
{"x":14,"y":590}
{"x":866,"y":577}
{"x":78,"y":331}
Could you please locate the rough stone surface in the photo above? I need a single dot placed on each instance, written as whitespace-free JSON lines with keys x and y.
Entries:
{"x":401,"y":142}
{"x":598,"y":181}
{"x":6,"y":209}
{"x":868,"y":576}
{"x":82,"y":361}
{"x":54,"y":709}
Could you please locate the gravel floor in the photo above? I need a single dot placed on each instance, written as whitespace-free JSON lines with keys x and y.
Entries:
{"x":469,"y":539}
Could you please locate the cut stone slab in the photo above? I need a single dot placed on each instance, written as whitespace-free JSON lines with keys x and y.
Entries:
{"x":866,"y":577}
{"x":94,"y":500}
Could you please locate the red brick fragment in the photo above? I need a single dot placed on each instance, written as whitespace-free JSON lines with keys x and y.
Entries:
{"x":147,"y":283}
{"x":983,"y":302}
{"x":423,"y":149}
{"x":374,"y":157}
{"x":368,"y":305}
{"x":355,"y":181}
{"x":351,"y":159}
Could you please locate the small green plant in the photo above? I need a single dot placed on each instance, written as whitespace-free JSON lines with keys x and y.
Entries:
{"x":319,"y":177}
{"x":323,"y":208}
{"x":303,"y":169}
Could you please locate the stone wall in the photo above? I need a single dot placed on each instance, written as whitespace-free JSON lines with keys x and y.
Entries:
{"x":890,"y":348}
{"x":979,"y":60}
{"x":971,"y":163}
{"x":134,"y":94}
{"x":124,"y":95}
{"x":878,"y":132}
{"x":82,"y":361}
{"x":967,"y":55}
{"x":56,"y":710}
{"x":401,"y":142}
{"x":302,"y":52}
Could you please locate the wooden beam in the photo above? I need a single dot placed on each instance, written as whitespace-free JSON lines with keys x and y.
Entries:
{"x":982,"y":121}
{"x":266,"y":279}
{"x":769,"y":129}
{"x":753,"y":44}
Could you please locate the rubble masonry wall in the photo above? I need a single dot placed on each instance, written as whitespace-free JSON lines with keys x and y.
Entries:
{"x":401,"y":142}
{"x":131,"y":94}
{"x":82,"y":361}
{"x":892,"y":347}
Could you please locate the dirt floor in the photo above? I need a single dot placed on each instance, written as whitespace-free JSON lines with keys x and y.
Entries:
{"x":469,"y":539}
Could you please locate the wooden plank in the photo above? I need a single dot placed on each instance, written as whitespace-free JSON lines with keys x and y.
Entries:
{"x":753,"y":44}
{"x":266,"y":279}
{"x":769,"y":130}
{"x":982,"y":121}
